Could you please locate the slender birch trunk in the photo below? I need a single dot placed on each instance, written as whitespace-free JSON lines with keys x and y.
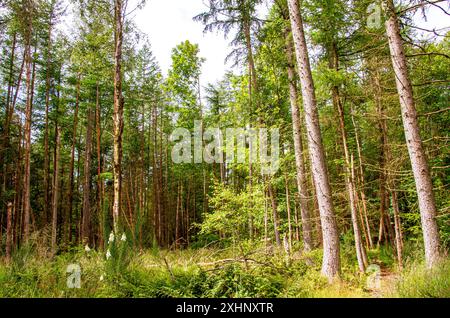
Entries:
{"x":118,"y":113}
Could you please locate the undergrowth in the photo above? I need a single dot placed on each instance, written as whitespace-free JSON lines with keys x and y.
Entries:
{"x":244,"y":272}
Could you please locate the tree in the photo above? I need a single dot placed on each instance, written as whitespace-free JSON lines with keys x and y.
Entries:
{"x":86,"y":222}
{"x":330,"y":22}
{"x":118,"y":111}
{"x":331,"y":258}
{"x":56,"y":190}
{"x":422,"y":177}
{"x":298,"y":142}
{"x":27,"y":25}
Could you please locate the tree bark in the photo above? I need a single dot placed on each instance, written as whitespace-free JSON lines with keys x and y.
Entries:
{"x":72,"y":161}
{"x":86,"y":223}
{"x":331,"y":258}
{"x":6,"y":137}
{"x":9,"y":231}
{"x":366,"y":223}
{"x":274,"y":213}
{"x":288,"y":208}
{"x":118,"y":113}
{"x":298,"y":148}
{"x":28,"y":118}
{"x":46,"y":129}
{"x":99,"y":164}
{"x":417,"y":155}
{"x":349,"y":178}
{"x":56,"y":191}
{"x":398,"y":230}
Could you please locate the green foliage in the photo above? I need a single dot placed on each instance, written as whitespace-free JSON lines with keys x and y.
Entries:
{"x":222,"y":223}
{"x":208,"y":273}
{"x":419,"y":282}
{"x":118,"y":254}
{"x":232,"y":212}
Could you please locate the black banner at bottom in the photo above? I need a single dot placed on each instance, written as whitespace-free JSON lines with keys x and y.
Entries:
{"x":215,"y":307}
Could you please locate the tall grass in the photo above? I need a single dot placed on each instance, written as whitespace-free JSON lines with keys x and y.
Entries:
{"x":420,"y":282}
{"x":204,"y":272}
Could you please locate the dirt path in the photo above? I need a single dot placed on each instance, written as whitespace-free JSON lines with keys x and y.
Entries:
{"x":386,"y":285}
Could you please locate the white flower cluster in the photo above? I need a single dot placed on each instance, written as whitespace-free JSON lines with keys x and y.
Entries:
{"x":111,"y":238}
{"x":123,"y":238}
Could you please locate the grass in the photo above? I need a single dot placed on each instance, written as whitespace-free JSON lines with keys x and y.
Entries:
{"x":206,"y":272}
{"x":420,"y":282}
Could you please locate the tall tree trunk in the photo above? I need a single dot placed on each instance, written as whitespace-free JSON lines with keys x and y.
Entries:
{"x":331,"y":258}
{"x":56,"y":191}
{"x":298,"y":148}
{"x":9,"y":114}
{"x":274,"y":212}
{"x":77,"y":208}
{"x":6,"y":137}
{"x":99,"y":165}
{"x":72,"y":161}
{"x":252,"y":91}
{"x":266,"y":221}
{"x":358,"y":205}
{"x":362,"y":184}
{"x":288,"y":208}
{"x":18,"y":212}
{"x":296,"y":220}
{"x":86,"y":223}
{"x":155,"y":179}
{"x":28,"y":5}
{"x":398,"y":229}
{"x":383,"y":233}
{"x":118,"y":113}
{"x":349,"y":181}
{"x":9,"y":230}
{"x":187,"y":215}
{"x":417,"y":155}
{"x":161,"y":192}
{"x":362,"y":250}
{"x":177,"y":217}
{"x":46,"y":129}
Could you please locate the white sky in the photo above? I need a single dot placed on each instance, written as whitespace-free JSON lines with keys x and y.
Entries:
{"x":169,"y":22}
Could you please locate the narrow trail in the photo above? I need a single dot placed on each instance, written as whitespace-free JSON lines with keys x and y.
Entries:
{"x":386,"y":285}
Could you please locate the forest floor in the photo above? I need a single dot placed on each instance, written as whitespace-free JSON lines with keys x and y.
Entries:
{"x":243,"y":272}
{"x":388,"y":283}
